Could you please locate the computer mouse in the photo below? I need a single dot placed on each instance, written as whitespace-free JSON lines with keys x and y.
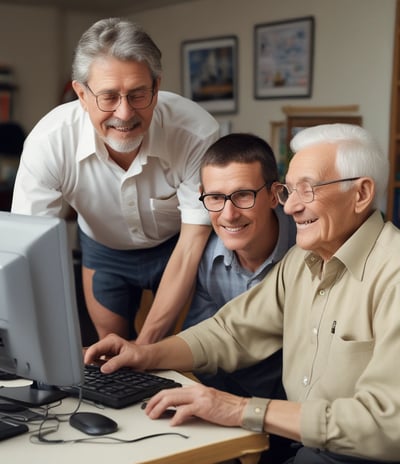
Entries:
{"x":93,"y":423}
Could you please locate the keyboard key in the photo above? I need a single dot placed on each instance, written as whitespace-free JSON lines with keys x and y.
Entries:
{"x":121,"y":388}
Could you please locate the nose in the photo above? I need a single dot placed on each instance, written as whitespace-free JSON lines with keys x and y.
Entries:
{"x":230,"y":210}
{"x":293,"y":204}
{"x":124,"y":110}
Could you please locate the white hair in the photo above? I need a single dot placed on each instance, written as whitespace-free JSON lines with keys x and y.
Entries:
{"x":357,"y":155}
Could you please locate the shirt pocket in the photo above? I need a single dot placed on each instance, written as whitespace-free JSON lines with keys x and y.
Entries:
{"x":347,"y":360}
{"x":166,"y":215}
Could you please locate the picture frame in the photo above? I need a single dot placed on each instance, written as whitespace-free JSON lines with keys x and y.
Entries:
{"x":209,"y":73}
{"x":283,"y":58}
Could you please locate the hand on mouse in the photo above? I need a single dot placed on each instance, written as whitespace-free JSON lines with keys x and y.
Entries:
{"x":207,"y":403}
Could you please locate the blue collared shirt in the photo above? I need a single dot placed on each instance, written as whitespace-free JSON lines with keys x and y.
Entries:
{"x":220,"y":276}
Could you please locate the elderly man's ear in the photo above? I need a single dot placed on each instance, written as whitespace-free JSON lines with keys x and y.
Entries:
{"x":365,"y":194}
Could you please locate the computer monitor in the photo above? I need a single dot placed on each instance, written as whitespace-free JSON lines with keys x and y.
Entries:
{"x":39,"y":327}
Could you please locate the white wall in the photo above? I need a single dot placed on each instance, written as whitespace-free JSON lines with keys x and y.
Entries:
{"x":352,"y":62}
{"x":37,"y":43}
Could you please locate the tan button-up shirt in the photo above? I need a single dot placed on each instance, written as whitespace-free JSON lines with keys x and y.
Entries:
{"x":339,"y":325}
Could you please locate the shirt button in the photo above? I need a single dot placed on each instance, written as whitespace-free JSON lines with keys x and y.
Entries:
{"x":322,"y":292}
{"x":315,"y":331}
{"x":305,"y":380}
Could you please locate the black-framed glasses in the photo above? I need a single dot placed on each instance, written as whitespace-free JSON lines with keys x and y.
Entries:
{"x":109,"y":102}
{"x":243,"y":199}
{"x":304,"y":189}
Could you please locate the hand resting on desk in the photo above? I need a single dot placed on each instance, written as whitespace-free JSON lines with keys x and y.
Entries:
{"x":171,"y":353}
{"x":198,"y":400}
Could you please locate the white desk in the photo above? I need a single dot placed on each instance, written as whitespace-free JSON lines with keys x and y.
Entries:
{"x":206,"y":444}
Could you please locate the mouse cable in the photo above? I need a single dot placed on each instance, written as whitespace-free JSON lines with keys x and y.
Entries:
{"x":57,"y":417}
{"x":40,"y":438}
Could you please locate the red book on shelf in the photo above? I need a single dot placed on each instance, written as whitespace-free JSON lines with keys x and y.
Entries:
{"x":5,"y":105}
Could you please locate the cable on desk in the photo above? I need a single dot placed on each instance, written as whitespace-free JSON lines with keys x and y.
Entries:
{"x":105,"y":440}
{"x":39,"y":436}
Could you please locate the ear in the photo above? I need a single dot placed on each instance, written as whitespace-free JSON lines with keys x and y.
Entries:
{"x":274,"y":197}
{"x":157,"y":84}
{"x":365,"y":194}
{"x":81,"y":93}
{"x":156,"y":89}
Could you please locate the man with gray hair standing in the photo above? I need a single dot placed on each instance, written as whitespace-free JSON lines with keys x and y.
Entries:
{"x":126,"y":157}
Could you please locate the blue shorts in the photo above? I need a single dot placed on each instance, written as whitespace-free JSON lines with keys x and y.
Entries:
{"x":121,"y":275}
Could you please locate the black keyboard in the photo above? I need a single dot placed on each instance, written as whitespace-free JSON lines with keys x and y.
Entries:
{"x":10,"y":429}
{"x":121,"y":388}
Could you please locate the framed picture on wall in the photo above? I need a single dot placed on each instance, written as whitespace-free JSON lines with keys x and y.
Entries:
{"x":209,"y":73}
{"x":283,"y":58}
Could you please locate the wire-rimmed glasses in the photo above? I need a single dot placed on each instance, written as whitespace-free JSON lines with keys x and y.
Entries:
{"x":304,"y":189}
{"x":243,"y":199}
{"x":109,"y":102}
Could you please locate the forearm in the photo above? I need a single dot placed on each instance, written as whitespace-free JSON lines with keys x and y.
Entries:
{"x":283,"y":418}
{"x":174,"y":292}
{"x":171,"y":353}
{"x":273,"y":416}
{"x":176,"y":284}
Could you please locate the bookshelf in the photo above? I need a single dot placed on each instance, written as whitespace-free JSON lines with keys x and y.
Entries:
{"x":7,"y":89}
{"x":393,"y":193}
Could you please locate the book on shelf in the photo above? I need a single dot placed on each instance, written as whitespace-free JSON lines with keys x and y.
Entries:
{"x":396,"y":208}
{"x":5,"y":105}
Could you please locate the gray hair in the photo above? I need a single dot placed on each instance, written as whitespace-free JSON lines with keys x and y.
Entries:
{"x":120,"y":39}
{"x":357,"y":155}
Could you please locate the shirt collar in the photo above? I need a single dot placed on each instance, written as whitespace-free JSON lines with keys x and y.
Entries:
{"x":282,"y":245}
{"x":153,"y":143}
{"x":87,"y":138}
{"x":353,"y":254}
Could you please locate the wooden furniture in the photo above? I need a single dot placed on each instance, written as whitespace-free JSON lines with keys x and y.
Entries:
{"x":300,"y":117}
{"x":206,"y":443}
{"x":393,"y":192}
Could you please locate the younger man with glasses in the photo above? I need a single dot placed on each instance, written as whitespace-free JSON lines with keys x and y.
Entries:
{"x":126,"y":157}
{"x":251,"y":234}
{"x":332,"y":303}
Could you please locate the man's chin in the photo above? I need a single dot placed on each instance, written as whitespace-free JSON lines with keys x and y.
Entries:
{"x":124,"y":146}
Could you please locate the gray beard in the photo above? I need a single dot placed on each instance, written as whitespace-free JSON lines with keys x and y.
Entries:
{"x":124,"y":146}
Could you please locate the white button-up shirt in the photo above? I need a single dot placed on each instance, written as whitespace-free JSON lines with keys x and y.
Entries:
{"x":65,"y":160}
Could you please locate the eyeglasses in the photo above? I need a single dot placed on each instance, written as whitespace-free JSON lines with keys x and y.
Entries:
{"x":138,"y":100}
{"x":304,"y":190}
{"x":243,"y":199}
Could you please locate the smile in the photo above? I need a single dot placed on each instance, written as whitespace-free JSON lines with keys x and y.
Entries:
{"x":234,"y":229}
{"x":306,"y":223}
{"x":124,"y":127}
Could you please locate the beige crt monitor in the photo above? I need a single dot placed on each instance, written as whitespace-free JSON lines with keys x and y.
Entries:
{"x":39,"y":327}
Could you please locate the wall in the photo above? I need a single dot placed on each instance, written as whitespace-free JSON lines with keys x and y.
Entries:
{"x":37,"y":43}
{"x":352,"y":63}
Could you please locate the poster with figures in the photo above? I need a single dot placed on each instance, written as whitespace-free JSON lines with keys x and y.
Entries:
{"x":284,"y":58}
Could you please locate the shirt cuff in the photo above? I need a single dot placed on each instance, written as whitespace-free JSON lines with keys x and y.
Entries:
{"x":253,"y":416}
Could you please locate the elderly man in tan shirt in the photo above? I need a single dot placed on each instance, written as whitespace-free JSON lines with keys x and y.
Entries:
{"x":332,"y":303}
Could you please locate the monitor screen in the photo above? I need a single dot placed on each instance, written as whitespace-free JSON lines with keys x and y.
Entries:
{"x":39,"y":328}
